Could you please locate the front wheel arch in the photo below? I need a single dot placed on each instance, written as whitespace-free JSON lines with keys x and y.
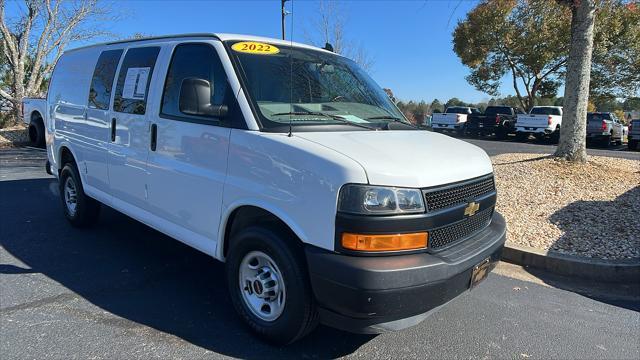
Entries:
{"x":249,"y":215}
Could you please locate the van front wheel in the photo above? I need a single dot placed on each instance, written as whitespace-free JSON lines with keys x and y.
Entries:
{"x":269,"y":286}
{"x":79,"y":209}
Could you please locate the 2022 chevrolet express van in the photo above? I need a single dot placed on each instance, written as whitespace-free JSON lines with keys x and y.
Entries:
{"x":285,"y":161}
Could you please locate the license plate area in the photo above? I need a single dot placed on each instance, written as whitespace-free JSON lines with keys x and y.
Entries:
{"x":480,"y":272}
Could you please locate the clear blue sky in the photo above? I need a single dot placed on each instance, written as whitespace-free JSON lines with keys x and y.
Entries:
{"x":409,"y":41}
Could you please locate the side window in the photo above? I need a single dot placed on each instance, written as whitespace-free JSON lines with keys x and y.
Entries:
{"x":196,"y":62}
{"x":102,"y":81}
{"x":133,"y":81}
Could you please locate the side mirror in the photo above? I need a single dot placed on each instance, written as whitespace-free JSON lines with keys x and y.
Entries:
{"x":195,"y":99}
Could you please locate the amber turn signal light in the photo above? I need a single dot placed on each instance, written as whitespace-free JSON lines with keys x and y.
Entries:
{"x":394,"y":242}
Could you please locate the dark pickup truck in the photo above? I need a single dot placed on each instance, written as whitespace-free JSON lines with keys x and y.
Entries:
{"x":498,"y":120}
{"x":634,"y":134}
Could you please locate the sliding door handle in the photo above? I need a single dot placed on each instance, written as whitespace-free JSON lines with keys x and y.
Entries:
{"x":154,"y":137}
{"x":113,"y":129}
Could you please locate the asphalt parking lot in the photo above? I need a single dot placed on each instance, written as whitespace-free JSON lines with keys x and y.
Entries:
{"x":493,"y":147}
{"x":123,"y":290}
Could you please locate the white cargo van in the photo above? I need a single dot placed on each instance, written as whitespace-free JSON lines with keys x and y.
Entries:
{"x":285,"y":161}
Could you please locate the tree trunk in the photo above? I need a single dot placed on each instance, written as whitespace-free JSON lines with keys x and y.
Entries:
{"x":573,"y":131}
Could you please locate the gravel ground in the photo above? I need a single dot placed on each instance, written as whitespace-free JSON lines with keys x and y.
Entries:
{"x":13,"y":135}
{"x":590,"y":210}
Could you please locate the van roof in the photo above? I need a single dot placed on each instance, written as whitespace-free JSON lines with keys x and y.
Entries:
{"x":219,"y":36}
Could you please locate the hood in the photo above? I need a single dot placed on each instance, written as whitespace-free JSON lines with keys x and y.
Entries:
{"x":407,"y":158}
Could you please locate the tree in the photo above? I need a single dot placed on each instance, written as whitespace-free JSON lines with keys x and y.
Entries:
{"x":33,"y":41}
{"x":632,"y":103}
{"x":329,"y":28}
{"x":436,"y":106}
{"x":573,"y":133}
{"x":454,"y":102}
{"x":528,"y":40}
{"x":390,"y":94}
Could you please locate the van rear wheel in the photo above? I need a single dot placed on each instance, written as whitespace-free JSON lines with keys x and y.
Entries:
{"x":79,"y":209}
{"x":269,"y":286}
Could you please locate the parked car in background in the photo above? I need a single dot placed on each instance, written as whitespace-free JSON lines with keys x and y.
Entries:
{"x":34,"y":111}
{"x":541,"y":121}
{"x":604,"y":127}
{"x":633,"y":137}
{"x":498,"y":120}
{"x":303,"y":189}
{"x":453,"y":119}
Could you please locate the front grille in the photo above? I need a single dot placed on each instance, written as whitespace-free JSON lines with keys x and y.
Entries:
{"x":448,"y":196}
{"x":451,"y":233}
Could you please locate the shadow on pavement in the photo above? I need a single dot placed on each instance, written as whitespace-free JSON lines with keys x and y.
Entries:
{"x":139,"y":274}
{"x":606,"y":217}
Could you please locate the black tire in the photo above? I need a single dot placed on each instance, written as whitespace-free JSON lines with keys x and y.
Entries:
{"x":554,"y":138}
{"x":472,"y":134}
{"x":633,"y":144}
{"x":36,"y":132}
{"x":522,"y":136}
{"x":606,"y":141}
{"x":501,"y":134}
{"x":87,"y":209}
{"x":300,"y":315}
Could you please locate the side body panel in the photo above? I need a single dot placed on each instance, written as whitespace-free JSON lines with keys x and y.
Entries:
{"x":128,"y":152}
{"x":187,"y":169}
{"x":295,"y":179}
{"x":67,"y":110}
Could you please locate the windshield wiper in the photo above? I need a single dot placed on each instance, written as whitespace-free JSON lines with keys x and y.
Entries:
{"x":319,"y":113}
{"x":394,"y":118}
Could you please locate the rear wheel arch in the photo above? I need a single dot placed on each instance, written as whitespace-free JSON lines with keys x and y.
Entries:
{"x":36,"y":117}
{"x":36,"y":128}
{"x":65,"y":156}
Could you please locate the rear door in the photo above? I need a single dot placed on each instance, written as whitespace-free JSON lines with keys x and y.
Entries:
{"x":129,"y":129}
{"x":188,"y":162}
{"x":98,"y":119}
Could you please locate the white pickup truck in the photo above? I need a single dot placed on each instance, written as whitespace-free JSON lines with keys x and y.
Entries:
{"x":34,"y":112}
{"x":453,"y":119}
{"x":541,"y":121}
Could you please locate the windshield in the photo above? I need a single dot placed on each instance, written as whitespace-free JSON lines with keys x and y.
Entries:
{"x":545,"y":111}
{"x":311,"y":87}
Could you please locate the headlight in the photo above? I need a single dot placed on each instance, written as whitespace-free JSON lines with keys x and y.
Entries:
{"x":379,"y":200}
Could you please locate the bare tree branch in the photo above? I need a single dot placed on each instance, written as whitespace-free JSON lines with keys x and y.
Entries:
{"x":30,"y":58}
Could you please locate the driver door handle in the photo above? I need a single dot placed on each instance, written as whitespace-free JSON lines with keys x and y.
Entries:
{"x":113,"y":129}
{"x":154,"y":137}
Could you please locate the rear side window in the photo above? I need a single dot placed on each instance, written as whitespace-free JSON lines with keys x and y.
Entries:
{"x":102,"y":81}
{"x":457,"y":110}
{"x":494,"y":110}
{"x":134,"y":79}
{"x":545,"y":111}
{"x":193,"y":61}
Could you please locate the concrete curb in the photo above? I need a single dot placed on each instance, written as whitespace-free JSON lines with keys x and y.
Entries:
{"x":617,"y":271}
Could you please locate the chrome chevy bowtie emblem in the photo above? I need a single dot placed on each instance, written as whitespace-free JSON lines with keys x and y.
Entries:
{"x":472,"y":208}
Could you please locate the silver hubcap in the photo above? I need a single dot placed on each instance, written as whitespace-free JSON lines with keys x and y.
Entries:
{"x":262,"y":286}
{"x":70,"y":196}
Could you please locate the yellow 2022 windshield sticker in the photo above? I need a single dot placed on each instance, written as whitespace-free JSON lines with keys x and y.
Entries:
{"x":252,"y":47}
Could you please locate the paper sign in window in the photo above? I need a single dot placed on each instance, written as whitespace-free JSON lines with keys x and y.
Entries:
{"x":135,"y":84}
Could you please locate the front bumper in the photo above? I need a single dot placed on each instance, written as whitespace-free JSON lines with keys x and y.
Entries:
{"x":449,"y":127}
{"x":373,"y":294}
{"x":535,"y":130}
